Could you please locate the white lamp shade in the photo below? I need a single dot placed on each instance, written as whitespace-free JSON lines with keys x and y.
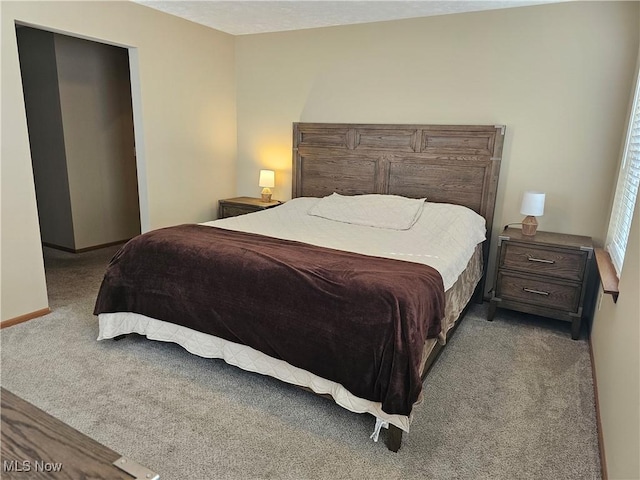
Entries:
{"x":532,"y":204}
{"x":267,"y":178}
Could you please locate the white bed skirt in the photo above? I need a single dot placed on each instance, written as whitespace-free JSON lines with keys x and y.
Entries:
{"x":242,"y":356}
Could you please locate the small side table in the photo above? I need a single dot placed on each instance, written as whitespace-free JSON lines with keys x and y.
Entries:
{"x":232,"y":207}
{"x":546,"y":274}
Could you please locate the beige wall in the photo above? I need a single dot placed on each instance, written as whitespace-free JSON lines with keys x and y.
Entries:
{"x":95,"y":101}
{"x":615,"y":339}
{"x":557,"y":76}
{"x":186,"y":130}
{"x":46,"y":135}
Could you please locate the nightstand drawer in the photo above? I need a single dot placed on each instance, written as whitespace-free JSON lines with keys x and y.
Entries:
{"x":542,"y":292}
{"x":555,"y":262}
{"x":234,"y":211}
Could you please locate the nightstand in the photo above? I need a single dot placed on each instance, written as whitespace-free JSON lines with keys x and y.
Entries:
{"x":546,"y":274}
{"x":232,"y":207}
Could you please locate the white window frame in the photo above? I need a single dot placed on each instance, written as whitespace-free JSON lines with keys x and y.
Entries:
{"x":626,"y":188}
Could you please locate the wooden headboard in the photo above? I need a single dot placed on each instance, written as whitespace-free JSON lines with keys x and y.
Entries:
{"x":456,"y":164}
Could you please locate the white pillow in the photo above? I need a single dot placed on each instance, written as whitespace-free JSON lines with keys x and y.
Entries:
{"x":381,"y":211}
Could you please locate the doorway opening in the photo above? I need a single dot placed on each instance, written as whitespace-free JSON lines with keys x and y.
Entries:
{"x":77,"y":97}
{"x":80,"y":119}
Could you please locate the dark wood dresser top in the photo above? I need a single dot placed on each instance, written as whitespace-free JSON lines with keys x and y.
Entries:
{"x":250,"y":201}
{"x":36,"y":445}
{"x":557,"y":239}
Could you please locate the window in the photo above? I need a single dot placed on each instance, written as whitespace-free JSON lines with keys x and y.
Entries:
{"x":626,"y":189}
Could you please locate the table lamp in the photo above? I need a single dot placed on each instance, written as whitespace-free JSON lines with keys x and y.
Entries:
{"x":267,"y":181}
{"x":532,"y":206}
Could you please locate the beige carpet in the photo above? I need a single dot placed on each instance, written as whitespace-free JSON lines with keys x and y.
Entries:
{"x":509,"y":399}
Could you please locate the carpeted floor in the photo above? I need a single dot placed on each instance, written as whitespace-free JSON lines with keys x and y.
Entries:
{"x":508,"y":399}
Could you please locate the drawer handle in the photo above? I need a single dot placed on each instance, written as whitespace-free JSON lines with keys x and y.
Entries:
{"x":537,"y":292}
{"x":539,"y":260}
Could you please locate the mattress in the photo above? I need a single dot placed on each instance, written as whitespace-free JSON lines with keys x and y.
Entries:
{"x":444,"y":236}
{"x":457,"y":257}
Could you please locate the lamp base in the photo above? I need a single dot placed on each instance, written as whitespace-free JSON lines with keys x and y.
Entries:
{"x":266,"y":194}
{"x":529,"y":226}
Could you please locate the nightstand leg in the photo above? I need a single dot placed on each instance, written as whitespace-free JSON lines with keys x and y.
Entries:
{"x":575,"y":328}
{"x":492,"y":310}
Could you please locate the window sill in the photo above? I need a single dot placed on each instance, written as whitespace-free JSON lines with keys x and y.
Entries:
{"x":608,"y":275}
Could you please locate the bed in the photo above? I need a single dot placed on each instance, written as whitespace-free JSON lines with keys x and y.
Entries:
{"x":368,"y":309}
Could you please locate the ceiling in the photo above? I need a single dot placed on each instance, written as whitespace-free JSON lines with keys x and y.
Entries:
{"x":242,"y":17}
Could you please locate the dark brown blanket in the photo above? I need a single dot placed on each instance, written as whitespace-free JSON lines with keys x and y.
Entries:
{"x":358,"y":320}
